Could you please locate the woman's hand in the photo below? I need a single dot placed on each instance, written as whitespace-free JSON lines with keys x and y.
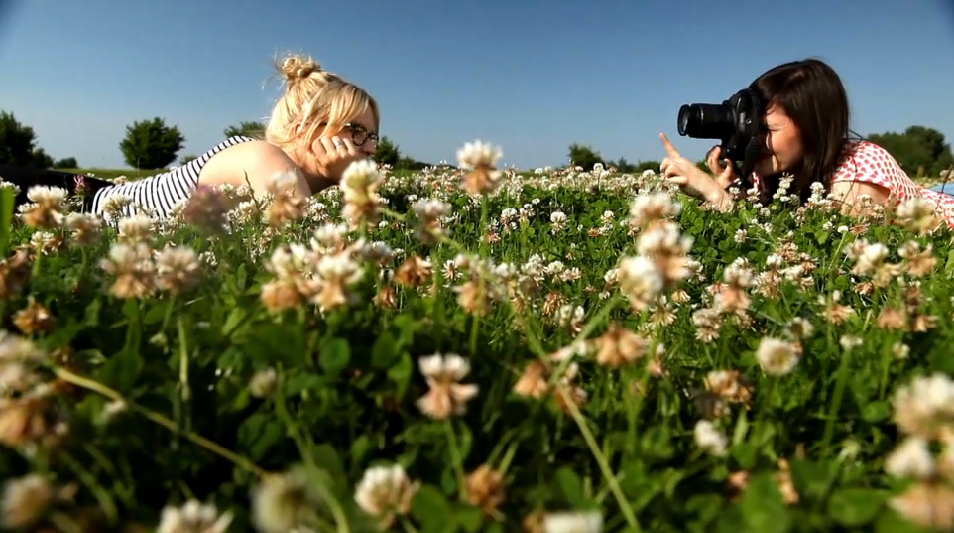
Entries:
{"x":691,"y":179}
{"x":725,"y":173}
{"x":333,"y":155}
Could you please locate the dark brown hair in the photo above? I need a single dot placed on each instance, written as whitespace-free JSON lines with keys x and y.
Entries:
{"x":813,"y":96}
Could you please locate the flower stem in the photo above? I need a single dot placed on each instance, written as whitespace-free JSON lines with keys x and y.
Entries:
{"x":99,"y":388}
{"x":455,"y":457}
{"x":840,"y":383}
{"x":408,"y":526}
{"x":611,"y":480}
{"x":99,"y":492}
{"x":337,"y":512}
{"x":598,"y":318}
{"x":183,"y":362}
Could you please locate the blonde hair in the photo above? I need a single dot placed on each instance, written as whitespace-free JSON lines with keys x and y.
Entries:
{"x":313,"y":96}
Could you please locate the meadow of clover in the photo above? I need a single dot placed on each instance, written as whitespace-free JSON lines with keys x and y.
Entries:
{"x":475,"y":351}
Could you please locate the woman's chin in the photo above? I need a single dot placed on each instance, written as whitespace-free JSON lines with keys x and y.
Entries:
{"x":769,"y":166}
{"x":765,"y":169}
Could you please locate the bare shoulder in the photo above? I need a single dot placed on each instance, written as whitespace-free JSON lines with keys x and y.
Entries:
{"x":256,"y":161}
{"x":853,"y":189}
{"x":850,"y":193}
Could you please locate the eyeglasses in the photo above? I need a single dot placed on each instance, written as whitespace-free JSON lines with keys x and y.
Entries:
{"x":360,"y":134}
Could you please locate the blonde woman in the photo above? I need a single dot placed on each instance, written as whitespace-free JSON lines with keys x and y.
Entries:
{"x":317,"y":128}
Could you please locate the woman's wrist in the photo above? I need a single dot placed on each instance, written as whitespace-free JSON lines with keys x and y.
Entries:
{"x":320,"y":183}
{"x":720,"y":198}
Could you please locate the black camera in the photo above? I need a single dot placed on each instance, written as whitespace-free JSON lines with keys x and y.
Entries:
{"x":737,"y":122}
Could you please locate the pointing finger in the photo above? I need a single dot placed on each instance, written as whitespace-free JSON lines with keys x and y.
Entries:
{"x":669,"y":147}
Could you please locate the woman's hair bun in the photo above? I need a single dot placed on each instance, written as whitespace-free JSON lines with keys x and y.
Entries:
{"x":296,"y":68}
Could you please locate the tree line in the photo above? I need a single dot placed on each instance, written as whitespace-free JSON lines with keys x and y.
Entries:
{"x":18,"y":146}
{"x":151,"y":144}
{"x":921,"y":151}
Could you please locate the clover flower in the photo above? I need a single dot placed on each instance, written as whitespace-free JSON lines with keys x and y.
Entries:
{"x":359,"y":185}
{"x":385,"y":492}
{"x":709,"y":438}
{"x":446,"y":396}
{"x":480,"y":158}
{"x":776,"y":356}
{"x":193,"y":517}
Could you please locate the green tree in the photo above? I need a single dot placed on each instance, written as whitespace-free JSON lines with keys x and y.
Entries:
{"x":920,"y":150}
{"x":643,"y":166}
{"x":41,"y":159}
{"x":18,"y":146}
{"x":186,"y":158}
{"x":409,"y":163}
{"x":17,"y":141}
{"x":624,"y":166}
{"x":584,"y":156}
{"x":387,"y":153}
{"x":253,"y":129}
{"x":66,"y":162}
{"x":151,"y":144}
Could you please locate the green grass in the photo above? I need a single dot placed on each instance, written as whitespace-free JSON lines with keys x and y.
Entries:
{"x":113,"y":173}
{"x":181,"y":378}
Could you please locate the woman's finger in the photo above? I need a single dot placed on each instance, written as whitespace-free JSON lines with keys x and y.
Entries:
{"x":668,"y":145}
{"x":349,"y":146}
{"x":317,"y":147}
{"x":328,"y":145}
{"x":673,"y":170}
{"x":339,"y":145}
{"x":726,"y":174}
{"x":712,"y":160}
{"x":725,"y":177}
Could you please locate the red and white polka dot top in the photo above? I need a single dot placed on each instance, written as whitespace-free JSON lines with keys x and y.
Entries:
{"x":867,"y":162}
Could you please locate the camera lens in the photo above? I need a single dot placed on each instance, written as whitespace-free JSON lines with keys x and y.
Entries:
{"x":682,"y":124}
{"x":706,"y":121}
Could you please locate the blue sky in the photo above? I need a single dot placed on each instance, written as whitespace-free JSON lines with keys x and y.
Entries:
{"x":531,"y":75}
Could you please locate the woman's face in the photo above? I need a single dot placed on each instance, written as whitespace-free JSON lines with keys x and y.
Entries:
{"x":361,"y":132}
{"x":783,"y":141}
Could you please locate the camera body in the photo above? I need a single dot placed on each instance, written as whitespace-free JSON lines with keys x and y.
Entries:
{"x":736,"y":122}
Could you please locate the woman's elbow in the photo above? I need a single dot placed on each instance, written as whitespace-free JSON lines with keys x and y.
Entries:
{"x":277,"y":181}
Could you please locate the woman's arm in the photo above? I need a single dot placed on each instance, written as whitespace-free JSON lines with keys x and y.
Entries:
{"x":849,"y":193}
{"x":254,"y":163}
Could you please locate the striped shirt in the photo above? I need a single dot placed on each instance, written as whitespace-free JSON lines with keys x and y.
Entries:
{"x":163,"y":192}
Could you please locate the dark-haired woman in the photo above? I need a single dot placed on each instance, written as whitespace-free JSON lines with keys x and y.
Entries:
{"x":808,"y":136}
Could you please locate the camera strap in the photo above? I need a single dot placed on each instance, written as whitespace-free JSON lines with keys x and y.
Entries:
{"x":753,"y":150}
